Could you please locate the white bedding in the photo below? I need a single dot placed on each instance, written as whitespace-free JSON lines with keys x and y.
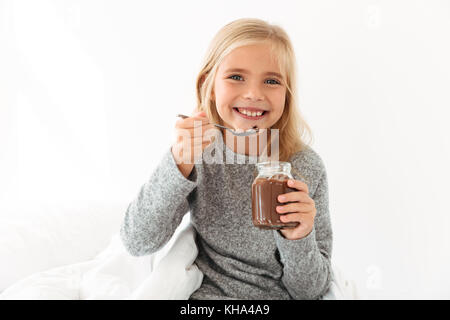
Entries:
{"x":114,"y":274}
{"x":39,"y":236}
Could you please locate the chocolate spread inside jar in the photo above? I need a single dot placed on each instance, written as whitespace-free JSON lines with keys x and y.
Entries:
{"x":269,"y":184}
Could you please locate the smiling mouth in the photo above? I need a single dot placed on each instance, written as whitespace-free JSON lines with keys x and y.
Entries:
{"x":248,"y":113}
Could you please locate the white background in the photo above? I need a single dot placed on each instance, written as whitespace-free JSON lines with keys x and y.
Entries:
{"x":89,"y":91}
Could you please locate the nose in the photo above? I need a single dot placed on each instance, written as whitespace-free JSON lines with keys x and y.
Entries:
{"x":253,"y":92}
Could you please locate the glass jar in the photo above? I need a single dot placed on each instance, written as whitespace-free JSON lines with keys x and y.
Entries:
{"x":270,"y":182}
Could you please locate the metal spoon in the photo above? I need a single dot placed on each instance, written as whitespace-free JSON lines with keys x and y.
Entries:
{"x":245,"y":133}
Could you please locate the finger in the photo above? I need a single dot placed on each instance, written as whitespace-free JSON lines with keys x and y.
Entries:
{"x":297,"y":184}
{"x":191,"y":122}
{"x":199,"y":143}
{"x":203,"y":138}
{"x":192,"y":143}
{"x":295,"y":207}
{"x":191,"y":132}
{"x":291,"y":217}
{"x":198,"y":122}
{"x":200,"y":114}
{"x":299,"y":231}
{"x":187,"y":141}
{"x":196,"y":143}
{"x":206,"y":132}
{"x":201,"y":146}
{"x":303,"y":219}
{"x":300,"y":196}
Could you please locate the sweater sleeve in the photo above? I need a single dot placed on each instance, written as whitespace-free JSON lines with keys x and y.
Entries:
{"x":306,"y":262}
{"x":152,"y":217}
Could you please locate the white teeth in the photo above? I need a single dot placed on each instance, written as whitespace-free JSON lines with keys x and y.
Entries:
{"x":249,"y":113}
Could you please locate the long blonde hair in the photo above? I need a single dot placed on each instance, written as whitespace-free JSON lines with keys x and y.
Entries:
{"x":294,"y":132}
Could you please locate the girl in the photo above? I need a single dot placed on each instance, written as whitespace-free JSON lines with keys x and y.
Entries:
{"x":248,"y":79}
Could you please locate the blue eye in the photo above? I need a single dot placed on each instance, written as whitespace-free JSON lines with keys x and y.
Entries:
{"x":276,"y":82}
{"x":234,"y":75}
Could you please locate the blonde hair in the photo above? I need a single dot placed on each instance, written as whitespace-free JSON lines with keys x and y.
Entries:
{"x":294,"y":132}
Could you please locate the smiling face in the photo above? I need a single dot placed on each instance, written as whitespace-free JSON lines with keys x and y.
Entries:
{"x":249,"y":89}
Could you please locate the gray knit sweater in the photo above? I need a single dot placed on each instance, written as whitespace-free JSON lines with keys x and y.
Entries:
{"x":238,"y":260}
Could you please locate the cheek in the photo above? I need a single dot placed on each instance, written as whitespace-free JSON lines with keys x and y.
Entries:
{"x":222,"y":100}
{"x":224,"y":96}
{"x":276,"y":115}
{"x":279,"y":101}
{"x":223,"y":90}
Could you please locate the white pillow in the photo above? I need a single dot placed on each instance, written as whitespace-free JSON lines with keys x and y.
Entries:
{"x":38,"y":238}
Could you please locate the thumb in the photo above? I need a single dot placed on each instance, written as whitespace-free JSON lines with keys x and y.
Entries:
{"x":200,"y":114}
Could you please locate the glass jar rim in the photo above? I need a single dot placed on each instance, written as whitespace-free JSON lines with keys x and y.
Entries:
{"x":275,"y":164}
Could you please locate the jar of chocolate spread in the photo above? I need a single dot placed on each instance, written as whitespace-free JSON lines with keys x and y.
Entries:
{"x":268,"y":185}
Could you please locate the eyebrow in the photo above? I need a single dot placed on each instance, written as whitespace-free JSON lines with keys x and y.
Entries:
{"x":269,"y":73}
